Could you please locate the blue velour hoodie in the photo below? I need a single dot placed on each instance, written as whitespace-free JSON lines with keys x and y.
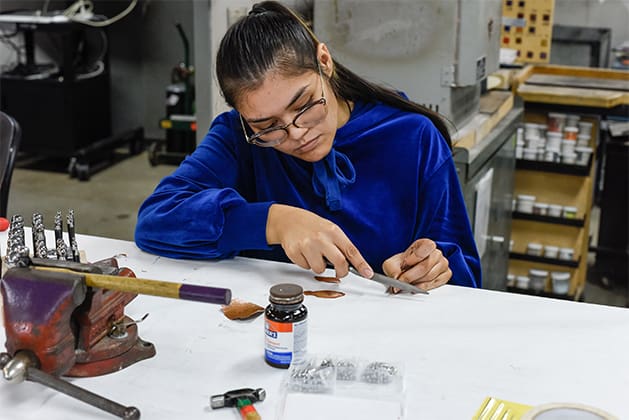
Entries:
{"x":389,"y":179}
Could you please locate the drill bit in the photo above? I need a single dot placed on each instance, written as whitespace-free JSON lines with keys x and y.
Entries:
{"x":74,"y":248}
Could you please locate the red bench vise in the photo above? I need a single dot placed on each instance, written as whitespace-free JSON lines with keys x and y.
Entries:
{"x":72,"y":329}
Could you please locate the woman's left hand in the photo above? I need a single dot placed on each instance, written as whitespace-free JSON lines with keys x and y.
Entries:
{"x":422,"y":264}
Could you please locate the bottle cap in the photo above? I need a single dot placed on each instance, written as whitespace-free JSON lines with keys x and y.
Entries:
{"x":286,"y":294}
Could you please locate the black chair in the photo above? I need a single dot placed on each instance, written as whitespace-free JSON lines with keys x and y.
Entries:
{"x":10,"y":134}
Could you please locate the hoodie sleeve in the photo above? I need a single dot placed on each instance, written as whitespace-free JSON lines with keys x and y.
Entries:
{"x":199,"y":211}
{"x":443,"y":215}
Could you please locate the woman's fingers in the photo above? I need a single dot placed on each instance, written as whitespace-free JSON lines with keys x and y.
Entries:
{"x":422,"y":264}
{"x":313,"y":242}
{"x":427,"y":269}
{"x":418,"y":251}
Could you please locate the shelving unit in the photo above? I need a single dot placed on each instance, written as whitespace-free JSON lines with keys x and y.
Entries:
{"x":596,"y":95}
{"x":553,"y":183}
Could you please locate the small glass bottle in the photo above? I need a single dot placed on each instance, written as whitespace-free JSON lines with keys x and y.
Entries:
{"x":285,"y":326}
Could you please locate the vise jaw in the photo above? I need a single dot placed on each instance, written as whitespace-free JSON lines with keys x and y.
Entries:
{"x":67,"y":325}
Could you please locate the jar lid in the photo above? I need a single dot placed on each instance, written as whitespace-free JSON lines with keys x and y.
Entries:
{"x":526,"y":197}
{"x":286,"y":294}
{"x":555,"y":206}
{"x":538,"y":273}
{"x":551,"y":248}
{"x":571,"y":129}
{"x":540,"y":205}
{"x":570,"y":208}
{"x":560,"y":275}
{"x":522,"y":278}
{"x":554,"y":134}
{"x":566,"y":249}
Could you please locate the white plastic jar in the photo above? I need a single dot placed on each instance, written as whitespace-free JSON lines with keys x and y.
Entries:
{"x":569,"y":158}
{"x":540,"y":209}
{"x":525,"y":203}
{"x":551,"y":251}
{"x":522,"y":282}
{"x":529,"y":153}
{"x":553,"y":140}
{"x":510,"y":280}
{"x":560,"y":281}
{"x":583,"y":140}
{"x":555,"y":210}
{"x":535,"y":249}
{"x":567,"y":146}
{"x":537,"y":279}
{"x":556,"y":122}
{"x":569,"y":212}
{"x":566,"y":254}
{"x":583,"y":155}
{"x":585,"y":127}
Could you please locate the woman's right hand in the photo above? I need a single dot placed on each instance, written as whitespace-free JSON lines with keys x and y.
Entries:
{"x":310,"y":241}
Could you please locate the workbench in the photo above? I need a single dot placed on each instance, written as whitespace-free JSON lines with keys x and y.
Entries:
{"x":457,"y":345}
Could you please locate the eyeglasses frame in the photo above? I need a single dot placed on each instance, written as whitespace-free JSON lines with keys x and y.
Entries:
{"x":253,"y":139}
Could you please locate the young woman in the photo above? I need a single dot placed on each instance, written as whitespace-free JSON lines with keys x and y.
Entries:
{"x":314,"y":165}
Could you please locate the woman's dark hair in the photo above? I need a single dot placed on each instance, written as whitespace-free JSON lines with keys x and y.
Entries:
{"x":273,"y":37}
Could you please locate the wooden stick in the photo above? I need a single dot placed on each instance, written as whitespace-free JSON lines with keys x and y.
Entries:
{"x":140,"y":286}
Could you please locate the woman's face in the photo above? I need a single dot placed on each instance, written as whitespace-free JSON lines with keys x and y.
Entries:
{"x":280,"y":98}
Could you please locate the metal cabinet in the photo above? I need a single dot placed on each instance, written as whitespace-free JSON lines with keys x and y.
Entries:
{"x":486,"y":173}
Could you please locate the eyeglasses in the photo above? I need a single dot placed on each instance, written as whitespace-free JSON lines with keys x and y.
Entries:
{"x":309,"y":116}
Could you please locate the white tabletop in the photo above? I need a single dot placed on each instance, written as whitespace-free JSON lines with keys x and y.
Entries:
{"x":457,"y":345}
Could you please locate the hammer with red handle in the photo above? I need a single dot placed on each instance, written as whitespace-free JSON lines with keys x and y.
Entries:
{"x":242,"y":399}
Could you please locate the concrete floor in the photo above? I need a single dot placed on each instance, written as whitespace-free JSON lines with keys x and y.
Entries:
{"x":107,"y":204}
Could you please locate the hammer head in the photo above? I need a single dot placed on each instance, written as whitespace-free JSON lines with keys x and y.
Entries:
{"x":231,"y":398}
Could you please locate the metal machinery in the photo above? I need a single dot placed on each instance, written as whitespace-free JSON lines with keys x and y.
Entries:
{"x":439,"y":52}
{"x":63,"y":107}
{"x":436,"y":51}
{"x":486,"y":172}
{"x":67,"y":318}
{"x":180,"y":123}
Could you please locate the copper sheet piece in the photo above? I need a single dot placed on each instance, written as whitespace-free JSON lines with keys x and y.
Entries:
{"x":325,"y":294}
{"x":326,"y":279}
{"x":239,"y":309}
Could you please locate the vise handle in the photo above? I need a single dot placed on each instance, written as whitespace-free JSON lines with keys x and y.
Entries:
{"x":140,"y":286}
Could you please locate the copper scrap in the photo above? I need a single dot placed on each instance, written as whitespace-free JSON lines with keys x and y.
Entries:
{"x":325,"y":294}
{"x":328,"y":279}
{"x":239,"y":309}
